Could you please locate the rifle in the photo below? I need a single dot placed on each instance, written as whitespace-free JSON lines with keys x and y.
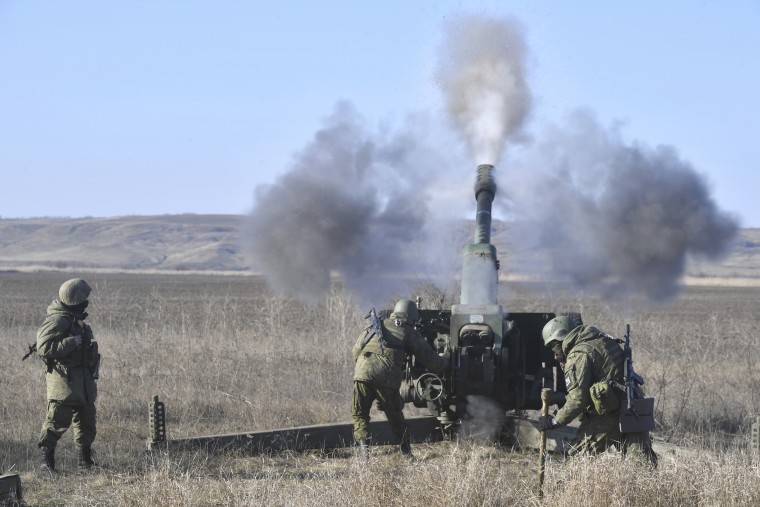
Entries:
{"x":32,"y":350}
{"x":95,"y":371}
{"x":632,"y":379}
{"x":375,"y":328}
{"x":638,"y":414}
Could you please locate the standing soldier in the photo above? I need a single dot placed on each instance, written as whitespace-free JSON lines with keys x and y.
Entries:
{"x":592,"y":360}
{"x":67,"y":346}
{"x":380,"y":356}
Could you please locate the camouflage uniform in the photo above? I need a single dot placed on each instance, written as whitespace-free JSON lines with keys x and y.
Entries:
{"x":71,"y":388}
{"x":593,"y":357}
{"x":379,"y":371}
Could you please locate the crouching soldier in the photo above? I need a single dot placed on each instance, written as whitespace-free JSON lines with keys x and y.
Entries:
{"x":380,"y":355}
{"x":593,"y":361}
{"x":67,"y":346}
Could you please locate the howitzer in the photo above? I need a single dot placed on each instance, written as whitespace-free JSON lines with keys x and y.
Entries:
{"x":495,"y":355}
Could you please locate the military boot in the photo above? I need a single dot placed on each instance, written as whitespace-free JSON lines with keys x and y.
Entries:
{"x":48,"y":458}
{"x":363,"y":450}
{"x":85,"y":458}
{"x":406,"y":451}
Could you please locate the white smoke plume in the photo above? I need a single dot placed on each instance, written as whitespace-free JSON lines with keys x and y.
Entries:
{"x":352,"y":204}
{"x":621,"y":218}
{"x":481,"y":73}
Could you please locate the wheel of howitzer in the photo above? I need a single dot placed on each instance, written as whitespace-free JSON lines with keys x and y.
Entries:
{"x":429,"y":387}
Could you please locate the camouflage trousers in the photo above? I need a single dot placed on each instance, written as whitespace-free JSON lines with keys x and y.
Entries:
{"x":388,"y":400}
{"x":597,"y":433}
{"x":58,"y":419}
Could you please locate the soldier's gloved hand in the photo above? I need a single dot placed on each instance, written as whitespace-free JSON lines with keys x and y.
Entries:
{"x":78,"y":339}
{"x":446,"y":356}
{"x":547,"y":422}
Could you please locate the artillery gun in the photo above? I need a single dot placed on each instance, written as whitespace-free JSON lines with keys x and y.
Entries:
{"x":496,"y":356}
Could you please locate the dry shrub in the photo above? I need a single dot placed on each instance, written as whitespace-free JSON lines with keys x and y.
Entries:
{"x":702,"y":480}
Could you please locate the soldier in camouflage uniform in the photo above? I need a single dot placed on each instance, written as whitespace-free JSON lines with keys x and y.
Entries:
{"x":380,"y":362}
{"x":67,"y":346}
{"x":590,"y":357}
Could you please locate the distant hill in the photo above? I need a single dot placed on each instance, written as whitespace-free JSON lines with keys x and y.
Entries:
{"x":742,"y":262}
{"x":165,"y":242}
{"x":213,"y":243}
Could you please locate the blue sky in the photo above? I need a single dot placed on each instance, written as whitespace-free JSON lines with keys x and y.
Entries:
{"x":154,"y":107}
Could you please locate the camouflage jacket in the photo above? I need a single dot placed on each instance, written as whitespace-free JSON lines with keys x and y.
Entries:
{"x":591,"y":357}
{"x":69,"y":378}
{"x":384,"y":366}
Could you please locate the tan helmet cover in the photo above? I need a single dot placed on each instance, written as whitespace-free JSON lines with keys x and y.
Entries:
{"x":557,"y":329}
{"x":74,"y":292}
{"x":408,"y":307}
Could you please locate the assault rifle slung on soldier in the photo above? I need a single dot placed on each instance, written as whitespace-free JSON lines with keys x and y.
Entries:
{"x":375,"y":328}
{"x":32,"y":350}
{"x":638,"y":412}
{"x":95,"y":370}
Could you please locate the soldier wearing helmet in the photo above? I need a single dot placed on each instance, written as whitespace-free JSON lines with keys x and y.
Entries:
{"x":588,"y":357}
{"x":380,"y":356}
{"x":68,"y":347}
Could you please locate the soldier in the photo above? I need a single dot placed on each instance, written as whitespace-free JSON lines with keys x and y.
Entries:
{"x":67,"y":346}
{"x":380,"y":359}
{"x":590,"y":357}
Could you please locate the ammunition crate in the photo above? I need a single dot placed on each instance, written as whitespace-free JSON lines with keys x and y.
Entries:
{"x":10,"y":490}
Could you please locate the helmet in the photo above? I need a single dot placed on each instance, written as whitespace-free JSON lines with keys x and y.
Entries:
{"x":408,"y":307}
{"x":74,"y":292}
{"x":557,"y":329}
{"x":575,"y":319}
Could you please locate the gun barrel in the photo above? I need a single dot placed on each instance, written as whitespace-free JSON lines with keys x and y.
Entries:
{"x":485,"y":190}
{"x":479,"y":268}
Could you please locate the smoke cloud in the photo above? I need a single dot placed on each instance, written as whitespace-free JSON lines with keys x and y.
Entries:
{"x":352,"y":204}
{"x":484,"y":419}
{"x":482,"y":76}
{"x":620,"y":217}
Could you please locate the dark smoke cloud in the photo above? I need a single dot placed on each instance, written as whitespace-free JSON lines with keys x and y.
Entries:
{"x":620,"y":217}
{"x":353,"y":203}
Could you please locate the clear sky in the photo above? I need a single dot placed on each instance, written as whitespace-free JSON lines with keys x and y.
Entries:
{"x":169,"y":106}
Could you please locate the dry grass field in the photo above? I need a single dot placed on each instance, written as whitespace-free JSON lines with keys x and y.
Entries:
{"x":226,"y":356}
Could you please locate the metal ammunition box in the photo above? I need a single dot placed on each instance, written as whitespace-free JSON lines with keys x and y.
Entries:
{"x":641,"y":418}
{"x":10,"y":490}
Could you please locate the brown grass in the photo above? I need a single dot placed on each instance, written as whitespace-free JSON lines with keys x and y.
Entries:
{"x":226,"y":356}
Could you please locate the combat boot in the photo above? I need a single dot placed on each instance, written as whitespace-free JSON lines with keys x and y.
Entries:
{"x":406,"y":451}
{"x":363,"y":450}
{"x":48,"y":458}
{"x":85,"y":458}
